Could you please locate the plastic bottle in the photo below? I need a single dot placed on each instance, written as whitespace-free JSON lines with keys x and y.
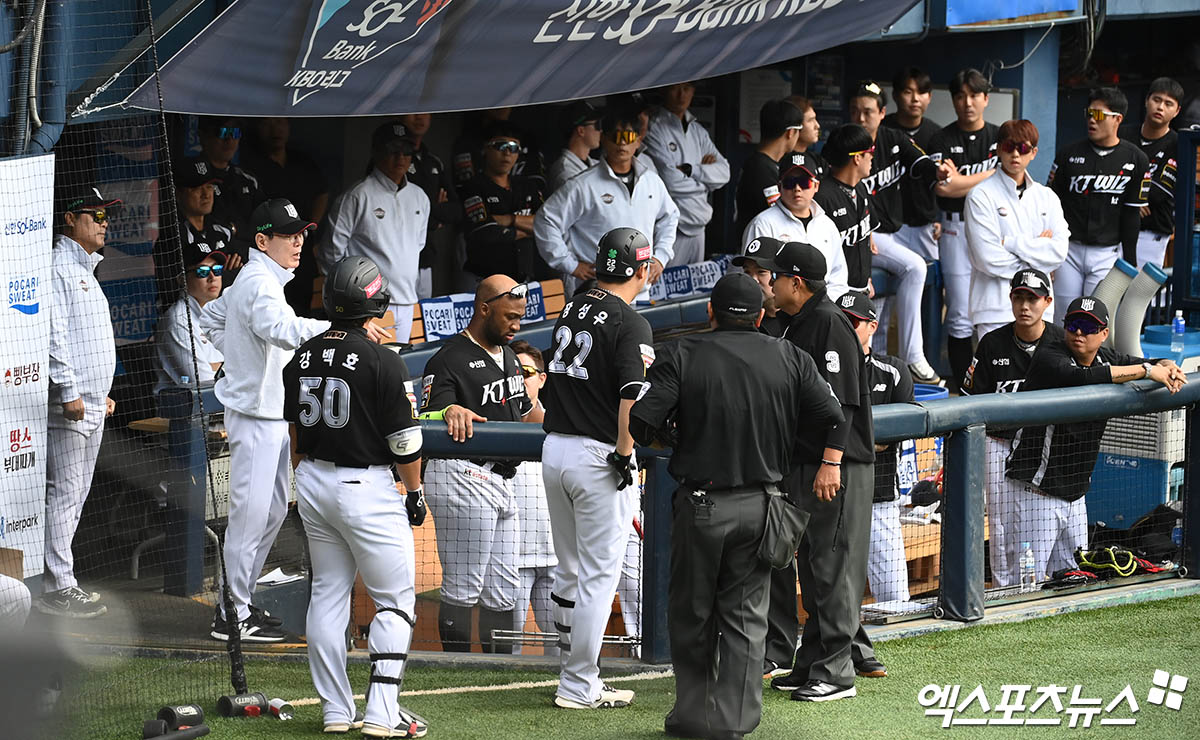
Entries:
{"x":1028,"y":569}
{"x":184,"y":381}
{"x":1178,"y":328}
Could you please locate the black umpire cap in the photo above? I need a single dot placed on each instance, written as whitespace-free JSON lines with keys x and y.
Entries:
{"x":1033,"y":280}
{"x":760,"y":249}
{"x":738,"y":295}
{"x":278,"y":216}
{"x":856,"y":304}
{"x":1089,"y":306}
{"x":621,"y":252}
{"x":799,"y":259}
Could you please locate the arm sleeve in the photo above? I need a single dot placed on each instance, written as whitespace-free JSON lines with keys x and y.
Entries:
{"x":396,"y":395}
{"x":1055,"y":369}
{"x":175,"y":345}
{"x":919,"y":164}
{"x":840,"y":366}
{"x":651,"y":412}
{"x":212,"y":322}
{"x":339,"y":233}
{"x":634,"y":355}
{"x":550,"y":226}
{"x":665,"y":224}
{"x":440,"y":388}
{"x":979,"y":374}
{"x":62,"y":371}
{"x":274,"y":321}
{"x":985,"y":241}
{"x":715,"y":175}
{"x":483,"y":233}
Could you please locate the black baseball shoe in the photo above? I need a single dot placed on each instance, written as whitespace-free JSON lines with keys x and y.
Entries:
{"x":253,"y":629}
{"x":72,"y":602}
{"x":266,"y":617}
{"x":870,"y":668}
{"x":822,"y":691}
{"x":790,"y":681}
{"x":771,"y":669}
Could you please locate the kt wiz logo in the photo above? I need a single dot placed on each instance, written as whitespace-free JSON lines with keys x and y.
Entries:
{"x":23,"y":294}
{"x":346,"y":34}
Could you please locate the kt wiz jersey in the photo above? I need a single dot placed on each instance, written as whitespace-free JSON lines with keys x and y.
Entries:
{"x":891,"y":382}
{"x":602,"y":349}
{"x":346,"y":394}
{"x":971,"y":151}
{"x":920,"y":204}
{"x":1001,"y":364}
{"x":898,"y":165}
{"x":463,"y":372}
{"x":850,"y":209}
{"x":1161,"y":173}
{"x":1094,"y":185}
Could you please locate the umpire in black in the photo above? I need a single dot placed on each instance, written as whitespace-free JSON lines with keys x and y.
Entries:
{"x":728,"y":456}
{"x":833,"y":481}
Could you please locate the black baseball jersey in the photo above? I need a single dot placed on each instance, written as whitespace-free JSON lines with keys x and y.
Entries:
{"x":464,"y":373}
{"x":822,"y":330}
{"x":1001,"y":364}
{"x":492,"y":248}
{"x":235,"y":197}
{"x":757,"y":188}
{"x":898,"y":165}
{"x":1059,"y":458}
{"x":429,"y":173}
{"x":891,"y":382}
{"x":214,"y":237}
{"x":972,"y":152}
{"x":751,"y":440}
{"x":346,"y":394}
{"x":920,"y":204}
{"x":1161,"y":173}
{"x":1099,"y":189}
{"x":851,"y":211}
{"x":467,"y":164}
{"x":601,"y":351}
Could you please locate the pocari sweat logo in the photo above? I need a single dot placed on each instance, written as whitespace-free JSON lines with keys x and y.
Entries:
{"x":23,"y":294}
{"x":343,"y":35}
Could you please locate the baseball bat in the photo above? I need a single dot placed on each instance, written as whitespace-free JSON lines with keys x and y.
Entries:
{"x":181,"y":715}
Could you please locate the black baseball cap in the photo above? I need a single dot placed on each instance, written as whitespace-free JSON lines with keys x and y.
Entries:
{"x":392,"y":138}
{"x":799,"y":259}
{"x":794,"y":163}
{"x":737,"y":294}
{"x":760,"y":249}
{"x":581,"y":111}
{"x":278,"y":216}
{"x":1089,"y":306}
{"x":195,"y":252}
{"x":1031,"y":279}
{"x":856,"y":304}
{"x":86,"y":198}
{"x":192,"y":172}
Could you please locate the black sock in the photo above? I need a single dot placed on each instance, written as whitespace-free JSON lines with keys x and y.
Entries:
{"x":960,"y":351}
{"x":454,"y":627}
{"x":491,"y":620}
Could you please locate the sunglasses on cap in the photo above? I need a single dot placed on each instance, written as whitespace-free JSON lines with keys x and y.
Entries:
{"x":1011,"y":146}
{"x":518,"y":291}
{"x":529,"y":371}
{"x":796,"y":181}
{"x":99,"y":215}
{"x":1082,"y":326}
{"x":505,"y":147}
{"x":863,"y":151}
{"x":204,"y":271}
{"x":1098,"y":115}
{"x":229,"y":132}
{"x":624,"y":136}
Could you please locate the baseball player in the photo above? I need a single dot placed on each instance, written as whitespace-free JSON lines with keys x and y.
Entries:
{"x":1103,"y":182}
{"x":82,"y":361}
{"x":913,"y":89}
{"x":602,"y":349}
{"x":810,"y":134}
{"x":477,"y":377}
{"x":383,"y":219}
{"x":1053,"y":464}
{"x":1160,"y":145}
{"x":352,"y":416}
{"x":1011,"y":223}
{"x":890,"y":382}
{"x":847,"y":202}
{"x":468,"y":150}
{"x":1001,"y":365}
{"x":583,"y":138}
{"x":970,"y":145}
{"x":779,"y":124}
{"x":690,"y":165}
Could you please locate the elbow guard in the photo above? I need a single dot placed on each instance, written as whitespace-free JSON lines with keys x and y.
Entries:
{"x":406,"y":442}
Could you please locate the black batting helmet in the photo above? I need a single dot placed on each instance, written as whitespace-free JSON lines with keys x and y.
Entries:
{"x":621,"y":252}
{"x":355,"y":289}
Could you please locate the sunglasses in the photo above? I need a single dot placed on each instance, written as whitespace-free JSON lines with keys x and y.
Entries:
{"x":1011,"y":146}
{"x":506,"y":147}
{"x":529,"y":371}
{"x":623,"y":137}
{"x":229,"y":132}
{"x":99,"y":215}
{"x":204,"y":271}
{"x":1082,"y":326}
{"x":796,"y":181}
{"x":864,"y":151}
{"x":517,"y":292}
{"x":1098,"y":115}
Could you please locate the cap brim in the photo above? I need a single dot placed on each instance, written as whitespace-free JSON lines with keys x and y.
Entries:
{"x":858,"y":315}
{"x":1031,"y":290}
{"x":293,"y":227}
{"x":1089,"y":314}
{"x":811,"y":175}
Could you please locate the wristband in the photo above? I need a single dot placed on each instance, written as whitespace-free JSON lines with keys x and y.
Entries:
{"x":434,"y":415}
{"x":831,"y":463}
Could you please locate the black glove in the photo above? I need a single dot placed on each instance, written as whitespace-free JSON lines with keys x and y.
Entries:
{"x":414,"y":502}
{"x":623,"y":464}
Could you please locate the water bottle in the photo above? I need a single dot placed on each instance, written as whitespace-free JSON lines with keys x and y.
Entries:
{"x":1028,"y":569}
{"x":184,"y":381}
{"x":1178,"y":328}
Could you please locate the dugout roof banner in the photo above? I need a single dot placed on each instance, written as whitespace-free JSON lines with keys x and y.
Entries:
{"x":387,"y":57}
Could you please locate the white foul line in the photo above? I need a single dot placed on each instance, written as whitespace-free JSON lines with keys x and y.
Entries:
{"x":649,"y":675}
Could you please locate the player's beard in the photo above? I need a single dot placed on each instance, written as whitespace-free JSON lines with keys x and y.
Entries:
{"x":494,"y":336}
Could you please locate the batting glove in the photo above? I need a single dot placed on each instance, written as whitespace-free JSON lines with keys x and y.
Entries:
{"x":623,"y":464}
{"x":414,"y":502}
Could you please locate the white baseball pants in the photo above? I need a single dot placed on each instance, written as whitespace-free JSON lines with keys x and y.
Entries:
{"x":1052,"y":527}
{"x":956,"y":276}
{"x":355,"y":521}
{"x":590,"y":521}
{"x":887,"y":565}
{"x":15,"y":602}
{"x":920,"y":240}
{"x":630,"y":586}
{"x":1079,"y":275}
{"x":1001,"y":503}
{"x":70,"y":465}
{"x":403,"y":314}
{"x":533,"y":589}
{"x":689,"y":249}
{"x":909,"y":269}
{"x":1151,"y":248}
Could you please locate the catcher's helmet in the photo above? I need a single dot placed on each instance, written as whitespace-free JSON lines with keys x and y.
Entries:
{"x":621,"y":252}
{"x":355,"y":289}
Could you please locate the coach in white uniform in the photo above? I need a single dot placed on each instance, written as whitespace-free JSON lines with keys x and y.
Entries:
{"x":383,"y":219}
{"x":1012,"y":222}
{"x":620,"y":191}
{"x":689,"y":164}
{"x":183,"y":349}
{"x":82,"y":361}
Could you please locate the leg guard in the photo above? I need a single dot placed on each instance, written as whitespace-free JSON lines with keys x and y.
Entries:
{"x":388,"y":642}
{"x":564,"y":613}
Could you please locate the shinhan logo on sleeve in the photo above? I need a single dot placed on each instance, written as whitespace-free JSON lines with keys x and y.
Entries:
{"x":23,"y":294}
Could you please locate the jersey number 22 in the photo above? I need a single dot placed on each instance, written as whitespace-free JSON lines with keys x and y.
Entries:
{"x":583,"y":340}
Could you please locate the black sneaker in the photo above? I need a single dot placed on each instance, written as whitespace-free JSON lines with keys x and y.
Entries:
{"x":789,"y":681}
{"x":771,"y":669}
{"x":265,"y":616}
{"x":823,"y":691}
{"x":252,"y":629}
{"x":870,"y":668}
{"x":71,"y":602}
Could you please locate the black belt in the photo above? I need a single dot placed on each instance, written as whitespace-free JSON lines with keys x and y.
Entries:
{"x":748,"y":488}
{"x":505,"y":470}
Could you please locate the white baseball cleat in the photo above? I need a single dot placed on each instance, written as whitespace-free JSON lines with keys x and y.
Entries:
{"x":610,"y":698}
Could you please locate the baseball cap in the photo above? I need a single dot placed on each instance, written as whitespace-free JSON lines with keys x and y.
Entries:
{"x":581,"y":111}
{"x":278,"y":216}
{"x":391,"y":138}
{"x":87,"y":197}
{"x":1089,"y":306}
{"x":192,"y":172}
{"x":737,"y":294}
{"x":1031,"y":279}
{"x":799,"y":259}
{"x":195,"y":252}
{"x":794,"y":163}
{"x":761,"y":249}
{"x":857,"y":305}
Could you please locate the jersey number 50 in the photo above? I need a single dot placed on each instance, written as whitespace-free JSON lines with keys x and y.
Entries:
{"x":333,"y":407}
{"x":583,"y":340}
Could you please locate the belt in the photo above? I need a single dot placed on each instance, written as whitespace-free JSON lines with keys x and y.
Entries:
{"x":749,"y":488}
{"x":505,"y":470}
{"x":953,"y":216}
